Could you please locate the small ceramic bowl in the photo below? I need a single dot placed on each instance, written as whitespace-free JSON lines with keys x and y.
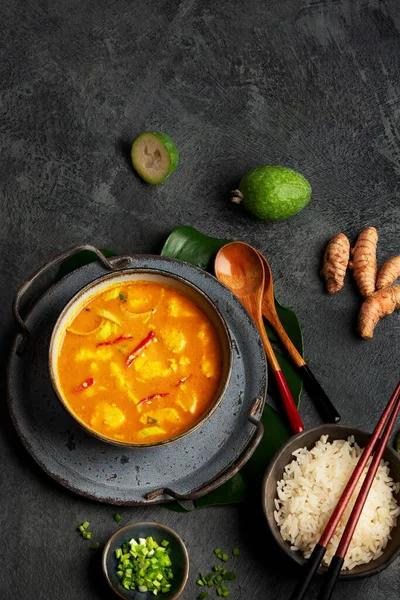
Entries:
{"x":179,"y":558}
{"x":180,"y":284}
{"x":274,"y":474}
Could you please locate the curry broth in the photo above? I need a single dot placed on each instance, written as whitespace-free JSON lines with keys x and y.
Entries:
{"x":140,"y":363}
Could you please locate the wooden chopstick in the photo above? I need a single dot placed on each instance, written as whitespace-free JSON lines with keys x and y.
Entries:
{"x":336,"y":563}
{"x":319,"y":551}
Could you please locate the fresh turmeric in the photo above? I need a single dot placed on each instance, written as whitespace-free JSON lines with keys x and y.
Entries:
{"x":388,"y":273}
{"x":336,"y":259}
{"x":364,"y":261}
{"x":377,"y":305}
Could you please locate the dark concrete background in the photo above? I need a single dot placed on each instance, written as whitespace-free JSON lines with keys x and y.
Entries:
{"x":311,"y":85}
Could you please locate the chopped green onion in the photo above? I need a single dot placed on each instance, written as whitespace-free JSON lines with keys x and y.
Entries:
{"x":87,"y":535}
{"x":225,"y":557}
{"x":230,"y":576}
{"x":81,"y":528}
{"x":122,"y":297}
{"x":95,"y":546}
{"x":203,"y":595}
{"x":200,"y":582}
{"x":85,"y":525}
{"x":145,"y":565}
{"x":236,"y":552}
{"x":217,"y":551}
{"x":118,"y":517}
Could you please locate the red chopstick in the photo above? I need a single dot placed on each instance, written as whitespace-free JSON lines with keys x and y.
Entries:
{"x":319,"y":551}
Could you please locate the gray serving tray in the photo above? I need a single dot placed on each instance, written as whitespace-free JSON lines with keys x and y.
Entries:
{"x":185,"y":469}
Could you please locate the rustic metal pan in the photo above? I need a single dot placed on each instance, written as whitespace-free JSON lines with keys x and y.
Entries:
{"x":187,"y":469}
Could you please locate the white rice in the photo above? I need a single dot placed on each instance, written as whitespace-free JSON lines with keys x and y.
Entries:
{"x":310,"y":489}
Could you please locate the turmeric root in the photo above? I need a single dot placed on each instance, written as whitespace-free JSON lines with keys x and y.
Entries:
{"x":364,"y":261}
{"x":377,"y":305}
{"x":336,"y":259}
{"x":388,"y":273}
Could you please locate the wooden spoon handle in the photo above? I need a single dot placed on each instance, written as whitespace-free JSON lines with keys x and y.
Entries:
{"x":287,"y":342}
{"x":293,"y":416}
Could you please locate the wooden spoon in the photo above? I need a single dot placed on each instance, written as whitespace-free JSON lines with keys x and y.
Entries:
{"x":241,"y":269}
{"x":315,"y":390}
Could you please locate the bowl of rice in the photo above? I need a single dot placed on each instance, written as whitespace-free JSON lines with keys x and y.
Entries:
{"x":303,"y":484}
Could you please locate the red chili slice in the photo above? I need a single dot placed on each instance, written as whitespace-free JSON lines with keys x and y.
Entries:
{"x":85,"y":385}
{"x":118,"y":339}
{"x":149,"y":398}
{"x":183,"y":380}
{"x":136,"y":351}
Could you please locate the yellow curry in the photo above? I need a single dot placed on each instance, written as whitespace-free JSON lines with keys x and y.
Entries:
{"x":140,"y":363}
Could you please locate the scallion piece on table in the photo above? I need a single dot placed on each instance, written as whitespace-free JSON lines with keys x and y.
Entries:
{"x":235,"y":552}
{"x":87,"y":535}
{"x":145,"y":565}
{"x":118,"y":517}
{"x":203,"y":595}
{"x":95,"y":546}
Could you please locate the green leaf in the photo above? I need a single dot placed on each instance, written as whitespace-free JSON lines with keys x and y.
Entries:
{"x":80,"y":259}
{"x":231,"y":492}
{"x":185,"y":243}
{"x":189,"y":245}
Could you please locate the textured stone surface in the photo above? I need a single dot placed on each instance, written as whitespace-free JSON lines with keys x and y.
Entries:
{"x":313,"y":85}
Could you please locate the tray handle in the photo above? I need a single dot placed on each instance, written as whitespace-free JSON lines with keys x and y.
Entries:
{"x":16,"y":307}
{"x":227,"y":473}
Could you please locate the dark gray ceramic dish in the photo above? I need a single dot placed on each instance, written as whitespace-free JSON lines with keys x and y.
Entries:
{"x":274,"y":474}
{"x":178,"y":555}
{"x":186,"y":469}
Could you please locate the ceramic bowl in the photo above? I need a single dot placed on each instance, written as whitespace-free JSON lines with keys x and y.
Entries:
{"x":274,"y":474}
{"x":178,"y":555}
{"x":120,"y":277}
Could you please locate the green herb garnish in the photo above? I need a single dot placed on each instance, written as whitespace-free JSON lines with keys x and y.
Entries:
{"x":218,"y":575}
{"x":122,"y":297}
{"x":95,"y":546}
{"x":82,"y":530}
{"x":144,"y":565}
{"x":118,"y":517}
{"x":203,"y":595}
